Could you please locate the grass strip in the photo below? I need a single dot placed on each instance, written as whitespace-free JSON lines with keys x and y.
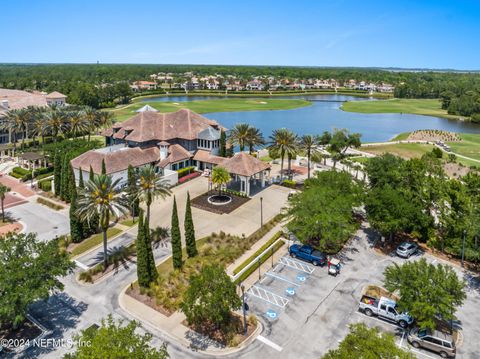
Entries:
{"x":93,"y":241}
{"x":258,"y":252}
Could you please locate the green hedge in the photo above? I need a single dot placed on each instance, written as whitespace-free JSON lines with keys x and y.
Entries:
{"x":25,"y":175}
{"x":258,"y":252}
{"x":263,"y":259}
{"x":50,"y":204}
{"x":185,"y":171}
{"x":45,"y":186}
{"x":16,"y":175}
{"x":20,"y":171}
{"x":289,"y":183}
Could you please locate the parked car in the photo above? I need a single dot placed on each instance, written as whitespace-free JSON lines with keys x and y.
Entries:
{"x":385,"y":308}
{"x":437,"y":341}
{"x":406,"y":249}
{"x":308,"y":253}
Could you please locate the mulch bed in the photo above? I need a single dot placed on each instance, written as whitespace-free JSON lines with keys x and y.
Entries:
{"x":202,"y":203}
{"x":134,"y":292}
{"x":27,"y":331}
{"x":219,"y":335}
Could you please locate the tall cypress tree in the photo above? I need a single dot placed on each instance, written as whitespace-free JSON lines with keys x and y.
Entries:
{"x":132,"y":189}
{"x":223,"y":144}
{"x":57,"y":170}
{"x":176,"y":238}
{"x":80,"y":178}
{"x":152,"y":270}
{"x":190,"y":230}
{"x":76,"y":226}
{"x":104,"y":168}
{"x":142,"y":259}
{"x":64,"y":192}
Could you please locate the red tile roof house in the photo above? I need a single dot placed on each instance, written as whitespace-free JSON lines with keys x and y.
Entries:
{"x":18,"y":99}
{"x":168,"y":141}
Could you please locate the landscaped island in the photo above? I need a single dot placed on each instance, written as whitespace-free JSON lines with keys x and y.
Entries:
{"x":206,"y":106}
{"x":428,"y":107}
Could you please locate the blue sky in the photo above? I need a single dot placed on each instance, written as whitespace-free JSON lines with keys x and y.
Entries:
{"x":433,"y":34}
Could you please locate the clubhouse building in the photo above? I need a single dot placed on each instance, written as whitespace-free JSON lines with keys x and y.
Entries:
{"x":169,"y":142}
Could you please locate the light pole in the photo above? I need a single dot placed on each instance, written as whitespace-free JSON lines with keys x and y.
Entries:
{"x":463,"y":245}
{"x":261,"y":212}
{"x":242,"y":287}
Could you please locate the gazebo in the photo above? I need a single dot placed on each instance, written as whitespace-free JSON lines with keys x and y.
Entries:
{"x":31,"y":160}
{"x":247,"y":171}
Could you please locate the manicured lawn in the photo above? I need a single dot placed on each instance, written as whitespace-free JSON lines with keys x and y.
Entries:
{"x":226,"y":105}
{"x":129,"y":222}
{"x":404,"y":150}
{"x":469,"y":146}
{"x":359,"y":159}
{"x":430,"y":107}
{"x":93,"y":241}
{"x":401,"y":136}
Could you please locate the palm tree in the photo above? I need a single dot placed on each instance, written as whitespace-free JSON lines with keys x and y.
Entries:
{"x":16,"y":121}
{"x":92,"y":117}
{"x":36,"y":124}
{"x":220,"y":176}
{"x":3,"y":192}
{"x":238,"y":135}
{"x":309,"y":143}
{"x":101,"y":199}
{"x":284,"y":142}
{"x":105,"y":119}
{"x":77,"y":122}
{"x":55,"y":122}
{"x":254,"y":138}
{"x":150,"y":186}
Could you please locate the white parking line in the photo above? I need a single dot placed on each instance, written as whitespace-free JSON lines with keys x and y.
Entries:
{"x":81,"y":265}
{"x":281,"y":278}
{"x":378,"y":320}
{"x":401,"y":341}
{"x":269,"y":343}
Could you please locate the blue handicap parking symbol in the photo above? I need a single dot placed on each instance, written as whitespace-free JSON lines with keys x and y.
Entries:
{"x":271,"y":314}
{"x":301,"y":278}
{"x":290,"y":291}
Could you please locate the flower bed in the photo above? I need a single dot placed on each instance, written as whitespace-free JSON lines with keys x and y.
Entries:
{"x":188,"y":177}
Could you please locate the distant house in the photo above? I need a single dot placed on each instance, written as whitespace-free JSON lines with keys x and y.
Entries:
{"x":143,"y":86}
{"x":55,"y":99}
{"x":384,"y":87}
{"x":255,"y":85}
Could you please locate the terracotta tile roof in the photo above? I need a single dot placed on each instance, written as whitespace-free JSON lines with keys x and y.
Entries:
{"x":244,"y":164}
{"x":175,"y":153}
{"x":150,"y":126}
{"x":18,"y":99}
{"x":205,"y":156}
{"x":115,"y":160}
{"x":56,"y":94}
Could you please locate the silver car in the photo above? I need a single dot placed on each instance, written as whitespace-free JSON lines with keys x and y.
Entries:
{"x":436,"y":341}
{"x":406,"y":249}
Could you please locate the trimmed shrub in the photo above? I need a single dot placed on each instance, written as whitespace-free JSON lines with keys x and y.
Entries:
{"x":185,"y":171}
{"x":289,"y":183}
{"x":50,"y":204}
{"x":45,"y":186}
{"x":187,"y":177}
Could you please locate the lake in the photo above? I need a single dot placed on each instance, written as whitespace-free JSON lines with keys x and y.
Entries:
{"x":325,"y":114}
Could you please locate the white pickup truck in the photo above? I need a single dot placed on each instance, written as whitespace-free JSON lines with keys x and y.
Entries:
{"x":385,"y":308}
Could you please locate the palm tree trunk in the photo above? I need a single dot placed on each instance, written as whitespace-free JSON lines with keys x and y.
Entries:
{"x":148,"y":213}
{"x":281,"y":167}
{"x":3,"y":212}
{"x":105,"y":254}
{"x":308,"y":163}
{"x":289,"y":165}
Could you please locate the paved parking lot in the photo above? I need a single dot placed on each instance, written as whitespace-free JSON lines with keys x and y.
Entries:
{"x":316,"y":317}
